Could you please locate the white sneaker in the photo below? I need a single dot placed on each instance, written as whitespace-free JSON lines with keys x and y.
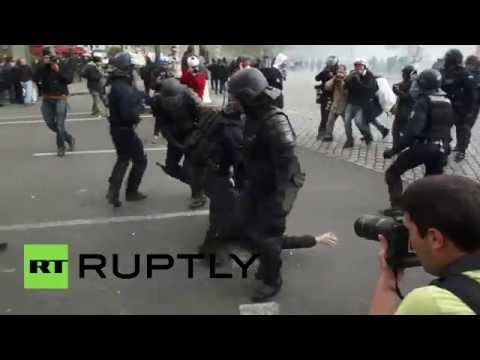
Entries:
{"x":155,"y":140}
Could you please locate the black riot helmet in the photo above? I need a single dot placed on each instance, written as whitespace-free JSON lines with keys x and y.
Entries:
{"x":472,"y":63}
{"x":429,"y":80}
{"x":122,"y":61}
{"x":453,"y":57}
{"x":408,"y":71}
{"x":251,"y":88}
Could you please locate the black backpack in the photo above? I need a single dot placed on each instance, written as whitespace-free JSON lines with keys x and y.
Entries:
{"x":462,"y":286}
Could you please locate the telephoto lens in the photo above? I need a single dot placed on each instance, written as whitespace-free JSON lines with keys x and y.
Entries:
{"x":370,"y":226}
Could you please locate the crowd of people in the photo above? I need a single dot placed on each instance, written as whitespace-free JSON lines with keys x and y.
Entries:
{"x":16,"y":82}
{"x":20,"y":83}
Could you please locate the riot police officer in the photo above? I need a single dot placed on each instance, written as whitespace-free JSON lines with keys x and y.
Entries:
{"x":472,"y":64}
{"x":460,"y":89}
{"x":405,"y":102}
{"x":326,"y":97}
{"x":426,"y":140}
{"x":125,"y":107}
{"x":178,"y":110}
{"x":274,"y":176}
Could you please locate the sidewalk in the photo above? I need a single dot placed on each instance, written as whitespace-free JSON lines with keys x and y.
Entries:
{"x":305,"y":117}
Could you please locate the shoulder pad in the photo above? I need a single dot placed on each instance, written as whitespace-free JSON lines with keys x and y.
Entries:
{"x":438,"y":98}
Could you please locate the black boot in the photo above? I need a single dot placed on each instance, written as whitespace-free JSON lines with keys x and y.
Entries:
{"x":265,"y":292}
{"x":3,"y":246}
{"x":61,"y":152}
{"x":348,"y":144}
{"x":328,"y":138}
{"x":71,"y":144}
{"x":459,"y":156}
{"x":112,"y":197}
{"x":384,"y":132}
{"x":135,"y":196}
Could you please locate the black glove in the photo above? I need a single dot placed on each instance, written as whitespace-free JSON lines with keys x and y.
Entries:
{"x":388,"y":154}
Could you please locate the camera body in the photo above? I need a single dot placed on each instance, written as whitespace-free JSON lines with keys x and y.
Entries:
{"x":400,"y":255}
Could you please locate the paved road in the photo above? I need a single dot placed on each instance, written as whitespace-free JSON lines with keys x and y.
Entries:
{"x":46,"y":199}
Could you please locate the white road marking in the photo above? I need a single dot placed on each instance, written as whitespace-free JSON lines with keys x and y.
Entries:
{"x":271,"y":308}
{"x":101,"y":221}
{"x":24,"y":122}
{"x":83,"y":152}
{"x":37,"y":116}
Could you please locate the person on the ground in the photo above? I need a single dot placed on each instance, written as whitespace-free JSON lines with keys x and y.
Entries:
{"x":273,"y":172}
{"x":55,"y":76}
{"x":426,"y":140}
{"x":447,"y":244}
{"x":193,"y":77}
{"x":125,"y":105}
{"x":336,"y":86}
{"x":96,"y":86}
{"x":325,"y":98}
{"x":461,"y":90}
{"x":362,"y":87}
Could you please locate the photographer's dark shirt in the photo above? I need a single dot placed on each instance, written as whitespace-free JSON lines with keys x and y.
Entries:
{"x":56,"y":83}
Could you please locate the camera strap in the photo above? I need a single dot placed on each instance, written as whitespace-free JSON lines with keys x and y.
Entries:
{"x":462,"y":286}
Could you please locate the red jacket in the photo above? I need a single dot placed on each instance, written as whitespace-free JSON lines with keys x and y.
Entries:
{"x":194,"y":82}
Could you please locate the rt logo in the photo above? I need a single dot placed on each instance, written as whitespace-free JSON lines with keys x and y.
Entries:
{"x":45,"y":266}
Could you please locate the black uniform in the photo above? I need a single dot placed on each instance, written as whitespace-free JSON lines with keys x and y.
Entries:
{"x":476,"y":80}
{"x":274,"y":178}
{"x":404,"y":107}
{"x":460,"y":88}
{"x":326,"y":97}
{"x":426,"y":140}
{"x":125,"y":108}
{"x":178,"y":113}
{"x":224,"y":144}
{"x":275,"y":79}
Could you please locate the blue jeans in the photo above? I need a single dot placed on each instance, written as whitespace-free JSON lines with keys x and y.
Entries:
{"x":356,"y":112}
{"x":54,"y":113}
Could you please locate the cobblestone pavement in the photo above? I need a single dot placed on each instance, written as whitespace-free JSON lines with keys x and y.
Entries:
{"x":305,"y":116}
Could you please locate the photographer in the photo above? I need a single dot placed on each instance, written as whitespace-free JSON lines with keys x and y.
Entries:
{"x":325,"y":97}
{"x":362,"y":87}
{"x":447,"y":244}
{"x":55,"y":77}
{"x":426,"y":140}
